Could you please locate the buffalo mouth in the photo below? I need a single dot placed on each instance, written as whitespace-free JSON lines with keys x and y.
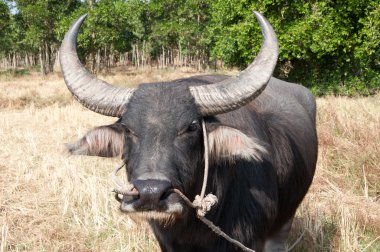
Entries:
{"x":167,"y":208}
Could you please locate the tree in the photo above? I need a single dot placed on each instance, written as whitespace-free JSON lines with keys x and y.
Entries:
{"x":5,"y":24}
{"x":111,"y":27}
{"x":330,"y":46}
{"x":179,"y":28}
{"x":40,"y":17}
{"x":321,"y":42}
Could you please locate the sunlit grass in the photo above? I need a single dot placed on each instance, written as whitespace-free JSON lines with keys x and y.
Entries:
{"x":53,"y":202}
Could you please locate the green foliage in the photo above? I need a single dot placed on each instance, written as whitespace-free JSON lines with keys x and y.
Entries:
{"x":40,"y":18}
{"x":232,"y":31}
{"x":5,"y":18}
{"x":110,"y":24}
{"x":349,"y":63}
{"x":329,"y":46}
{"x":5,"y":23}
{"x":179,"y":25}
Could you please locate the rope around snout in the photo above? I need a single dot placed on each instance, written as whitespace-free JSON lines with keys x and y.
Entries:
{"x":202,"y":204}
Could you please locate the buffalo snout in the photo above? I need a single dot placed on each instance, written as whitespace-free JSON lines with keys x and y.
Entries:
{"x":152,"y":195}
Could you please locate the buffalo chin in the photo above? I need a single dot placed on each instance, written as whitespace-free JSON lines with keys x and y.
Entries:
{"x":162,"y":218}
{"x":166,"y":217}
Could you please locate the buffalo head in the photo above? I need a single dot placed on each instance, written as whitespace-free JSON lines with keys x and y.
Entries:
{"x":159,"y":133}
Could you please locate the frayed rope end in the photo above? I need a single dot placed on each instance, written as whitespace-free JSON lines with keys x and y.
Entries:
{"x":204,"y":205}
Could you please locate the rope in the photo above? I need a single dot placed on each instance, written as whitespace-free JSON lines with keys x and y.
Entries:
{"x":201,"y":203}
{"x":204,"y":203}
{"x":123,"y":189}
{"x":208,"y":223}
{"x":206,"y":154}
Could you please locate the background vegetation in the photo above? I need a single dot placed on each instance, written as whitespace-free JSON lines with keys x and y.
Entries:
{"x":331,"y":46}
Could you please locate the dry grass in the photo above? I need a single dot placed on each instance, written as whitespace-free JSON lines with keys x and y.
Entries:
{"x":342,"y":209}
{"x":52,"y":202}
{"x":21,"y":92}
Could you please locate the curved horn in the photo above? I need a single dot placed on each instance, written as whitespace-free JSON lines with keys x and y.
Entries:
{"x":91,"y":92}
{"x":237,"y":91}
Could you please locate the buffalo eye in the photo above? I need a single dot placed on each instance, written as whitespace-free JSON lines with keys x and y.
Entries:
{"x":194,"y":126}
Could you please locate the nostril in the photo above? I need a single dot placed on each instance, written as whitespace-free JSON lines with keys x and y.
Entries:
{"x":151,"y":192}
{"x":166,"y":194}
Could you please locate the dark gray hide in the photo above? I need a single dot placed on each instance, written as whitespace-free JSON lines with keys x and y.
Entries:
{"x":262,"y":162}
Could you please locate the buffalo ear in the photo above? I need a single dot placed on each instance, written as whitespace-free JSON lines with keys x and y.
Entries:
{"x":229,"y":144}
{"x":103,"y":141}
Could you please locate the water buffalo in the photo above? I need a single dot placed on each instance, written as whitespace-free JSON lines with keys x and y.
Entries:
{"x":262,"y":139}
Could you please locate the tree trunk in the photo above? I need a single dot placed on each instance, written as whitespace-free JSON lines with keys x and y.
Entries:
{"x":42,"y":61}
{"x":180,"y":54}
{"x":137,"y":56}
{"x":133,"y":56}
{"x":47,"y":58}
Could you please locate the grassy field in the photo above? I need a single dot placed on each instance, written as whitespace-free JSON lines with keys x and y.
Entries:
{"x":50,"y":201}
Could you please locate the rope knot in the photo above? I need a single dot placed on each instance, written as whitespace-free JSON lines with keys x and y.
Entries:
{"x":204,"y":205}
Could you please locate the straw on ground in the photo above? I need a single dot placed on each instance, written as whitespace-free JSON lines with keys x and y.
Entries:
{"x":53,"y":202}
